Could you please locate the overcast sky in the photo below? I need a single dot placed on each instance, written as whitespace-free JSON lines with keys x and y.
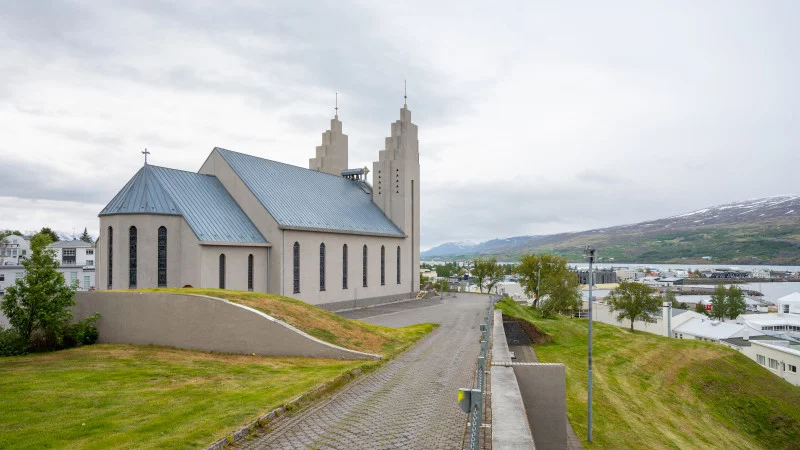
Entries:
{"x":534,"y":117}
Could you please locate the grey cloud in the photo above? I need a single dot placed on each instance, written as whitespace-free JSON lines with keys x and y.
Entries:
{"x":26,"y":180}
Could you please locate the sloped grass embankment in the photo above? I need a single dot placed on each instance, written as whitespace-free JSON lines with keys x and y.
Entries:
{"x":317,"y":322}
{"x":654,"y":392}
{"x":124,"y":396}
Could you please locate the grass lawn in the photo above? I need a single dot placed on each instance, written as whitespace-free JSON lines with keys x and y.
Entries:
{"x":655,"y":392}
{"x":122,"y":396}
{"x":317,"y":322}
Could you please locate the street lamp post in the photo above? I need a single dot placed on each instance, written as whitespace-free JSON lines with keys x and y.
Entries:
{"x":589,"y":252}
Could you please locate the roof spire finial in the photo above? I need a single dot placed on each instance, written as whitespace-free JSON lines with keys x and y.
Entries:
{"x":145,"y":153}
{"x":337,"y":106}
{"x":405,"y":94}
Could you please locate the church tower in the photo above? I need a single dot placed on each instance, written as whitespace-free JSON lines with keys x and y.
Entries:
{"x":332,"y":154}
{"x":395,"y":186}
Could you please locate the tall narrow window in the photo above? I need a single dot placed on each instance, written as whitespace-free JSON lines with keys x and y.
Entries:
{"x":344,"y":266}
{"x":322,"y":266}
{"x":250,"y":272}
{"x":110,"y":255}
{"x":364,"y":267}
{"x":162,"y":256}
{"x":296,"y":271}
{"x":132,"y":258}
{"x":383,"y":265}
{"x":222,"y":270}
{"x":398,"y":264}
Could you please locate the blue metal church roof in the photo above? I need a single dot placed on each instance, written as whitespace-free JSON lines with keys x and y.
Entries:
{"x":300,"y":198}
{"x":207,"y":207}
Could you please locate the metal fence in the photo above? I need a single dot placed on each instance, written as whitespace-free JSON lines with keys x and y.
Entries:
{"x":472,"y":400}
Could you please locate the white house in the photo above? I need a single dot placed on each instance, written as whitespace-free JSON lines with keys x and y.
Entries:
{"x":779,"y":356}
{"x":658,"y":324}
{"x":13,"y":248}
{"x":786,"y":321}
{"x":705,"y":329}
{"x":73,"y":253}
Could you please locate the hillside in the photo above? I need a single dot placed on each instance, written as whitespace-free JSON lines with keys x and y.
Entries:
{"x":763,"y":231}
{"x":654,"y":392}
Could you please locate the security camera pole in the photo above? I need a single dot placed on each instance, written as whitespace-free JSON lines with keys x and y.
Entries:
{"x":589,"y":252}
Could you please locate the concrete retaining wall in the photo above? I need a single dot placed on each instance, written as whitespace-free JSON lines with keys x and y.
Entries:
{"x":510,"y":424}
{"x":199,"y":323}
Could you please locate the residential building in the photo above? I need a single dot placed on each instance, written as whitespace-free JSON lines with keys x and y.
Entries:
{"x":322,"y":235}
{"x":705,"y":329}
{"x":13,"y":249}
{"x":73,"y":253}
{"x":780,"y":356}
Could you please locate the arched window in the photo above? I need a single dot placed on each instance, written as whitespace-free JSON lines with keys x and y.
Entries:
{"x":364,"y":267}
{"x":322,"y":266}
{"x":250,"y":272}
{"x":383,"y":265}
{"x":222,"y":270}
{"x":344,"y":266}
{"x":162,"y":256}
{"x":132,"y":258}
{"x":110,"y":255}
{"x":398,"y":264}
{"x":296,"y":271}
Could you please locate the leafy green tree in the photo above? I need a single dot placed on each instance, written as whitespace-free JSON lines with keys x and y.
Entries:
{"x":41,"y":298}
{"x":728,"y":303}
{"x":735,"y":303}
{"x":633,"y":301}
{"x":700,"y":309}
{"x":487,"y":271}
{"x":719,"y":303}
{"x":558,"y":282}
{"x":669,"y":296}
{"x":50,"y":233}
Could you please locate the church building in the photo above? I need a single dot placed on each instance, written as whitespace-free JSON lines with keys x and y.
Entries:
{"x":323,"y":235}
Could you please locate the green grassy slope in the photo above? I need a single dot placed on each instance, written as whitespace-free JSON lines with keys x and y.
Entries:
{"x":654,"y":392}
{"x":120,"y":396}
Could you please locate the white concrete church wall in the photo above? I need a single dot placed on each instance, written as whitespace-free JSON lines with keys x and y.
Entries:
{"x":334,"y":242}
{"x":215,"y":165}
{"x":182,"y":251}
{"x":236,"y":260}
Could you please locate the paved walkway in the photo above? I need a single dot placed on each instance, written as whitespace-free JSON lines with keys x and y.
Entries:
{"x":410,"y":402}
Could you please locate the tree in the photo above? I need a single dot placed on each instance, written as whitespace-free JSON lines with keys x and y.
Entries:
{"x":633,"y":301}
{"x":50,"y":233}
{"x":669,"y":296}
{"x":727,"y":303}
{"x":40,"y":299}
{"x":735,"y":303}
{"x":558,"y":283}
{"x":700,"y":309}
{"x":487,"y":272}
{"x":85,"y":236}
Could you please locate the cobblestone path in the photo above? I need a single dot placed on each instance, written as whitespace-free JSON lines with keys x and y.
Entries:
{"x":409,"y":403}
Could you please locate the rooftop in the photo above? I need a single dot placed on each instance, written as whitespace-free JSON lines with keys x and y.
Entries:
{"x":200,"y":199}
{"x":304,"y":199}
{"x":69,"y":244}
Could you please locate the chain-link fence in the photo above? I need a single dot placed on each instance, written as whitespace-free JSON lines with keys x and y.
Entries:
{"x":472,"y":400}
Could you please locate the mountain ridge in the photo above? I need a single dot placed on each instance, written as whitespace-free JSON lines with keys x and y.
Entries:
{"x":756,"y":231}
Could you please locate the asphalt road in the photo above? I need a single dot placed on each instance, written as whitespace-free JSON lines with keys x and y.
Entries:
{"x":410,"y":402}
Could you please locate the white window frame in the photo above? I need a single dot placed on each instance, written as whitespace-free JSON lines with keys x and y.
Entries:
{"x":786,"y":309}
{"x":772,"y":362}
{"x":791,"y":368}
{"x":761,"y":360}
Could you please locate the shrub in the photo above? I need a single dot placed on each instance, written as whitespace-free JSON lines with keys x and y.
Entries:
{"x":84,"y":332}
{"x":11,"y":343}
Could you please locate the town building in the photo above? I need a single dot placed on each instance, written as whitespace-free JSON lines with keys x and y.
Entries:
{"x":13,"y":249}
{"x":780,"y":356}
{"x":706,"y":329}
{"x":601,"y":276}
{"x":322,"y":235}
